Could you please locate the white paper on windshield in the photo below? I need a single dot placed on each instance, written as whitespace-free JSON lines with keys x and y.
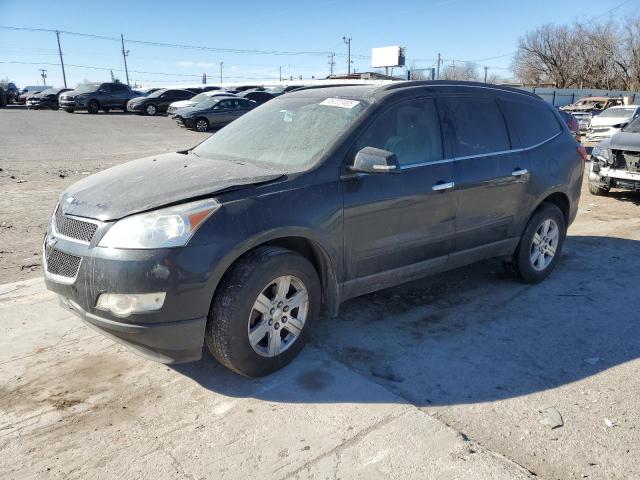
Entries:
{"x":339,"y":102}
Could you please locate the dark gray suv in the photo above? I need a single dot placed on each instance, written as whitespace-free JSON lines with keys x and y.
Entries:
{"x":313,"y":198}
{"x":94,"y":97}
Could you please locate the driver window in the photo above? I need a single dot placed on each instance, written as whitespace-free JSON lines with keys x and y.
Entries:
{"x":410,"y":129}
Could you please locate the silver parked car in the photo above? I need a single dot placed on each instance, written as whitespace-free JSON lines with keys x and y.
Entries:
{"x":611,"y":121}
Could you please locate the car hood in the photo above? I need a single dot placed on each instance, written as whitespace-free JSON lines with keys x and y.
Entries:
{"x":73,"y":93}
{"x":153,"y":182}
{"x":625,"y":141}
{"x":600,"y":121}
{"x":182,"y":104}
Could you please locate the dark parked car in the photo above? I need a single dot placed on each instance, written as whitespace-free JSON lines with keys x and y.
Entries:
{"x":28,"y":92}
{"x":213,"y":112}
{"x":313,"y":198}
{"x":94,"y":97}
{"x":281,"y":90}
{"x":244,"y":88}
{"x":11,"y":92}
{"x":616,"y":161}
{"x":4,"y":98}
{"x":48,"y":98}
{"x":158,"y":101}
{"x":257,"y":96}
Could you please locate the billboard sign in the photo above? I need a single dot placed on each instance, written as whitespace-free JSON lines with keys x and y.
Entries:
{"x":387,"y":57}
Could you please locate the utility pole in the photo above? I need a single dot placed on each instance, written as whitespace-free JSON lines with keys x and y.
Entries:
{"x":280,"y":68}
{"x":64,"y":76}
{"x":332,"y":63}
{"x":124,"y":55}
{"x":221,"y":71}
{"x":44,"y":76}
{"x":348,"y":42}
{"x":485,"y":74}
{"x":438,"y":67}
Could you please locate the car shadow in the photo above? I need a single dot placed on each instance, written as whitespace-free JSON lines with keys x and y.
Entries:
{"x":625,"y":196}
{"x":468,"y":336}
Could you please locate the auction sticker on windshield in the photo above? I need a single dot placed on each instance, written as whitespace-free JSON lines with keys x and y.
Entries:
{"x":340,"y":102}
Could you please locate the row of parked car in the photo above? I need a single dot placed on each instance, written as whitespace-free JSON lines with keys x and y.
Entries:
{"x":600,"y":118}
{"x":199,"y":108}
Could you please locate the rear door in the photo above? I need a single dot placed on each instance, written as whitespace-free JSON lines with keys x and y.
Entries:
{"x":399,"y":221}
{"x":490,"y":174}
{"x":120,"y":95}
{"x":106,"y":95}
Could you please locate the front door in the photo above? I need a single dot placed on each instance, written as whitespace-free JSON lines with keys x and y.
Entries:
{"x":398,"y":222}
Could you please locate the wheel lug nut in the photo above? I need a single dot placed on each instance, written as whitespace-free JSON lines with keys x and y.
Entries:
{"x":284,"y":319}
{"x":272,"y":311}
{"x":270,"y":322}
{"x":280,"y":304}
{"x":276,"y":326}
{"x":286,"y":308}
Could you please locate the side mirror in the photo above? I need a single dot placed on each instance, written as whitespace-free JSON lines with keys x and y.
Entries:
{"x":375,"y":160}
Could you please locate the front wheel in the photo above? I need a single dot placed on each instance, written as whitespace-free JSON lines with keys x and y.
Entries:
{"x":150,"y":110}
{"x":93,"y":107}
{"x":595,"y":189}
{"x":263,"y":312}
{"x":69,"y":110}
{"x":201,"y":125}
{"x":540,"y":245}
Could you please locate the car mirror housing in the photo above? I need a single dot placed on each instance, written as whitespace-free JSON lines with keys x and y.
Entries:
{"x":375,"y":160}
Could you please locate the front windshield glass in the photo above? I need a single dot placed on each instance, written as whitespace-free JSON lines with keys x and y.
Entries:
{"x":157,"y":93}
{"x":633,"y":127}
{"x":87,"y":87}
{"x":287,"y":133}
{"x":49,"y":90}
{"x":618,"y":113}
{"x":200,"y":97}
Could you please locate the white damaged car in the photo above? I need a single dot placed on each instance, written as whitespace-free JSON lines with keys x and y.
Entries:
{"x":193,"y":101}
{"x":611,"y":121}
{"x":615,"y":162}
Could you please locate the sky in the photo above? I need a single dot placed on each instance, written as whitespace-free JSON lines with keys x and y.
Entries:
{"x":258,"y":40}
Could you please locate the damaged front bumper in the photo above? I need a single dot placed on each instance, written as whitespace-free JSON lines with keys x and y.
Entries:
{"x":610,"y":177}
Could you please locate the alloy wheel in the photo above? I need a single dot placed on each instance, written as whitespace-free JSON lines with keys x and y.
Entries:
{"x":278,"y":316}
{"x":151,"y":110}
{"x":202,"y":126}
{"x":544,"y":244}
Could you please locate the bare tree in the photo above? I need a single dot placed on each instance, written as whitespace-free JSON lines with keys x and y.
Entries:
{"x":461,"y":71}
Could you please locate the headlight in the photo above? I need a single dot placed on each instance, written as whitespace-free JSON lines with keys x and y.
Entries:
{"x":601,"y":153}
{"x":124,"y":304}
{"x":168,"y":227}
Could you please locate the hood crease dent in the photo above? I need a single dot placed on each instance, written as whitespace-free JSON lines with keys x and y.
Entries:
{"x":152,"y":182}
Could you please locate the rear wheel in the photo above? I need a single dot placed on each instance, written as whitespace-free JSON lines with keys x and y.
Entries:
{"x":540,"y":245}
{"x":201,"y":124}
{"x":93,"y":107}
{"x":263,"y":312}
{"x":106,"y":110}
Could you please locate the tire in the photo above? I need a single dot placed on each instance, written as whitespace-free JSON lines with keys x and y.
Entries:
{"x":595,"y":189}
{"x":55,"y":106}
{"x":151,"y":110}
{"x":201,"y":124}
{"x":106,"y":110}
{"x":233,"y":314}
{"x":69,"y":110}
{"x":93,"y":107}
{"x":523,"y":263}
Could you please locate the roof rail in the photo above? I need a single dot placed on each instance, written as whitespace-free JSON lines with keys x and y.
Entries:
{"x":312,"y":87}
{"x":460,"y":83}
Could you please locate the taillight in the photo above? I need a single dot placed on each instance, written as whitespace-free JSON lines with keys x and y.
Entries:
{"x":583,"y":153}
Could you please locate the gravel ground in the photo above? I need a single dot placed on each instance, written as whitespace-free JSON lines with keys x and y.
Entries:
{"x":544,"y":376}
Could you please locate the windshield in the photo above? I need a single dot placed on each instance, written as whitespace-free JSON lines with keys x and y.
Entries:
{"x":633,"y":127}
{"x":200,"y":97}
{"x":87,"y":87}
{"x":289,"y":133}
{"x":618,"y":113}
{"x":49,"y":91}
{"x":157,"y":93}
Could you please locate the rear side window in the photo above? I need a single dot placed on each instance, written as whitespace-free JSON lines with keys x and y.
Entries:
{"x":409,"y":129}
{"x":119,"y":88}
{"x":533,"y":122}
{"x":476,"y":124}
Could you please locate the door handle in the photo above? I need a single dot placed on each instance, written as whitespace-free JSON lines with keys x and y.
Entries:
{"x":443,"y":186}
{"x":519,"y":172}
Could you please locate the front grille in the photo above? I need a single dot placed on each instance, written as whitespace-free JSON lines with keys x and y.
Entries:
{"x":60,"y":263}
{"x":632,"y":160}
{"x":74,"y":228}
